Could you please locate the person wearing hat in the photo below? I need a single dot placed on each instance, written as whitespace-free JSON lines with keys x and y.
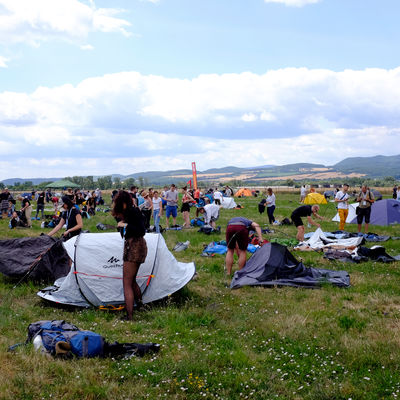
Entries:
{"x":71,"y":217}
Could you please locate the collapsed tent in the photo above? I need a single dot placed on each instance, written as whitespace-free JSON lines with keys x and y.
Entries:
{"x":385,"y":212}
{"x":43,"y":256}
{"x":228,"y":202}
{"x":273,"y":265}
{"x":95,"y":278}
{"x":318,"y":241}
{"x":243,"y":192}
{"x":315,"y":198}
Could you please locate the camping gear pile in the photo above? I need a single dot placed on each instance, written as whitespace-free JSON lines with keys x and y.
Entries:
{"x":60,"y":338}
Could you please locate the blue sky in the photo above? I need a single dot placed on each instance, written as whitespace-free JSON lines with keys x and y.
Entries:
{"x":100,"y":87}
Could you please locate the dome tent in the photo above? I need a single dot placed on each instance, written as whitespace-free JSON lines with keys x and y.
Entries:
{"x":95,"y":278}
{"x":315,"y":198}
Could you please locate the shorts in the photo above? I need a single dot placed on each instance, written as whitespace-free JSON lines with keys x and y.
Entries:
{"x":185,"y":207}
{"x":135,"y":250}
{"x":217,"y":202}
{"x":171,"y":211}
{"x":363,"y":213}
{"x":296,"y":220}
{"x":237,"y":234}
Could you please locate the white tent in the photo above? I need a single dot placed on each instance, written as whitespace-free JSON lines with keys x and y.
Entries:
{"x":350,"y":217}
{"x":228,"y":202}
{"x":95,"y":278}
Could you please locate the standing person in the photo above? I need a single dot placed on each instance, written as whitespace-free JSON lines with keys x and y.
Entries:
{"x":365,"y":199}
{"x":185,"y":209}
{"x":146,"y":208}
{"x":171,"y":197}
{"x":70,"y":217}
{"x":398,"y":194}
{"x":211,"y":212}
{"x":394,"y":195}
{"x":303,"y":193}
{"x":4,"y":202}
{"x":135,"y":248}
{"x":27,"y":211}
{"x":157,"y":210}
{"x":40,"y":204}
{"x":237,"y":238}
{"x":304,"y":211}
{"x":342,"y":200}
{"x":271,"y":205}
{"x":196,"y":195}
{"x":217,"y":197}
{"x":133,"y":193}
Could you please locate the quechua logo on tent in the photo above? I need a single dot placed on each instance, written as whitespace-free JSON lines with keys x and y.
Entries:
{"x":113,"y":262}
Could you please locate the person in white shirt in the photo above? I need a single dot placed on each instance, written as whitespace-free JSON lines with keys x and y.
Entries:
{"x":303,"y":193}
{"x":211,"y":212}
{"x":270,"y":205}
{"x":157,"y":210}
{"x":217,"y":197}
{"x":342,"y":200}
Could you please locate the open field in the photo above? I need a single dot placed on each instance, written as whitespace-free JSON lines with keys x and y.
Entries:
{"x":254,"y":343}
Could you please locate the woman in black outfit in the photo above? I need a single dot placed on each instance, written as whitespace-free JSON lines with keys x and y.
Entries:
{"x":131,"y":225}
{"x":70,"y":216}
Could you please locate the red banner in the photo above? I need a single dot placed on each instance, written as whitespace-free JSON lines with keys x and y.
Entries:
{"x":194,"y":175}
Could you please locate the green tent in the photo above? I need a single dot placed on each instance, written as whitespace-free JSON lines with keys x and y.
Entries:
{"x":62,"y":184}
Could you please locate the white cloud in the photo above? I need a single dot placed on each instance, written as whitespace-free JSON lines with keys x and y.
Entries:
{"x":293,"y":3}
{"x":282,"y":116}
{"x":3,"y":62}
{"x":34,"y":22}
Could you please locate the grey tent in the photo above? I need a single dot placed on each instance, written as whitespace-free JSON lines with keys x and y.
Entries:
{"x":44,"y":256}
{"x":383,"y":213}
{"x":95,"y":278}
{"x":273,"y":264}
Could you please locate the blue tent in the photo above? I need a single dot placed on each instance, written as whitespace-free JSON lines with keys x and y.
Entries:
{"x":383,"y":213}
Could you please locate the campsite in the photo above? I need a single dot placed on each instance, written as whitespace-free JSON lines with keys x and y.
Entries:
{"x":216,"y":342}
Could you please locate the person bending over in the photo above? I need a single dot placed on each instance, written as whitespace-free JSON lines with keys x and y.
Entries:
{"x":304,"y":211}
{"x":237,"y":238}
{"x":71,"y":217}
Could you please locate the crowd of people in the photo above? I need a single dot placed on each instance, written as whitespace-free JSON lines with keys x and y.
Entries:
{"x":138,"y":212}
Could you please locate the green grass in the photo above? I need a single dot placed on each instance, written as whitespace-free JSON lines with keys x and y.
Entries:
{"x":255,"y":343}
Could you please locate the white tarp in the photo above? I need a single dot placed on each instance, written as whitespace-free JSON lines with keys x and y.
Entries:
{"x":97,"y":275}
{"x":351,"y":216}
{"x":318,"y":241}
{"x":228,"y":202}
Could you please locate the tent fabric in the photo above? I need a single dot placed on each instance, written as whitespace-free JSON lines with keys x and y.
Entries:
{"x":64,"y":183}
{"x":352,"y":216}
{"x":319,"y":241}
{"x":243,"y":192}
{"x":45,"y":255}
{"x":96,"y":275}
{"x":315,"y":198}
{"x":383,"y":213}
{"x":274,"y":265}
{"x":228,"y":202}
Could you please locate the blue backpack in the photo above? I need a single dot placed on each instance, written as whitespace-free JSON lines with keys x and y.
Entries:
{"x":79,"y":343}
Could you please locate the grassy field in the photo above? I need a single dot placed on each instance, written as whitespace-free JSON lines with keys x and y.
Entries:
{"x":252,"y":343}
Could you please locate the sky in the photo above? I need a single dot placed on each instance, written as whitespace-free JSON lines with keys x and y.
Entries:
{"x":100,"y":87}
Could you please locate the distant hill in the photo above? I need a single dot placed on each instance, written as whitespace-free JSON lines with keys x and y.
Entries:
{"x":374,"y":167}
{"x":370,"y":167}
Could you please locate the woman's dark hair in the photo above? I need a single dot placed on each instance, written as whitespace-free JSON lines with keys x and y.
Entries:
{"x":66,"y":200}
{"x":120,"y":199}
